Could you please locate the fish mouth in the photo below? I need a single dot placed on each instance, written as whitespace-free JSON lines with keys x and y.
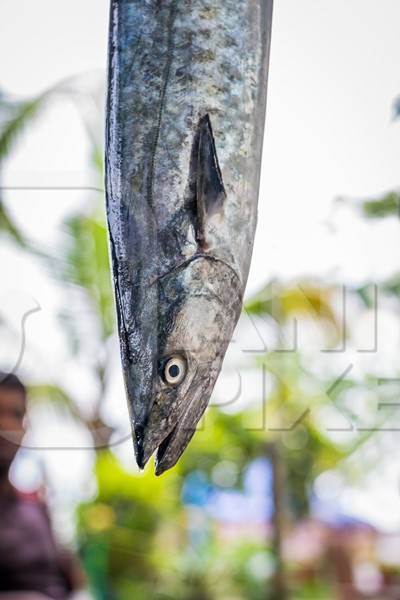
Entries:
{"x":170,"y":447}
{"x":167,"y":432}
{"x":175,"y":443}
{"x":168,"y":451}
{"x":163,"y":450}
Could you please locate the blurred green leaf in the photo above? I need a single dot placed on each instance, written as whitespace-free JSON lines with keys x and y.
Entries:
{"x":17,"y":114}
{"x":86,"y":264}
{"x":380,"y":208}
{"x":303,"y":300}
{"x":14,"y":118}
{"x":392,"y":286}
{"x":9,"y":228}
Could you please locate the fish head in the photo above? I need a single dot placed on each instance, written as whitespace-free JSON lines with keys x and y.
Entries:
{"x":198,"y":308}
{"x":183,"y":319}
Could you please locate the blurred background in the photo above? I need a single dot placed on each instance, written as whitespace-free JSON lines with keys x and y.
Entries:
{"x":290,"y":488}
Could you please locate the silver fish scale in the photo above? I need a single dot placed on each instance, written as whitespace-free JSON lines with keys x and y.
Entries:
{"x":185,"y":59}
{"x":185,"y":121}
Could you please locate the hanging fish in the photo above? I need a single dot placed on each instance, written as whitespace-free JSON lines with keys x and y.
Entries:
{"x":185,"y":119}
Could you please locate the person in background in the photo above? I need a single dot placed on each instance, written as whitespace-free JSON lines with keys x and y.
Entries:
{"x":32,"y":566}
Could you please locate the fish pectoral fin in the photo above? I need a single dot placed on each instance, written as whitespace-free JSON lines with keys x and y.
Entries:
{"x":210,"y":191}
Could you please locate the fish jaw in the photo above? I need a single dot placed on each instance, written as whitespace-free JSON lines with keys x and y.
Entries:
{"x":176,"y":442}
{"x":198,"y":308}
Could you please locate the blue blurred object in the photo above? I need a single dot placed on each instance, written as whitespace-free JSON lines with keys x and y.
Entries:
{"x":255,"y":503}
{"x":196,"y":490}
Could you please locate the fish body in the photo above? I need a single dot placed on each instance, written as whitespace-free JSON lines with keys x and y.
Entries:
{"x":185,"y":118}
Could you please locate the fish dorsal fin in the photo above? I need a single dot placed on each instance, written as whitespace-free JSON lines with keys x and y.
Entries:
{"x":210,"y":191}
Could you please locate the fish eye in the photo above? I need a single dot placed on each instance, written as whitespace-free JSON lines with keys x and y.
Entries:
{"x":174,"y":370}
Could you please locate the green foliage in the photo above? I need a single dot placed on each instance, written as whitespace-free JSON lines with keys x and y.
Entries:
{"x":15,"y":117}
{"x":144,"y":538}
{"x":302,"y":300}
{"x":8,"y":227}
{"x":313,"y":591}
{"x":391,"y":287}
{"x":137,"y":531}
{"x":123,"y":522}
{"x":387,"y":206}
{"x":222,"y":437}
{"x":86,"y":264}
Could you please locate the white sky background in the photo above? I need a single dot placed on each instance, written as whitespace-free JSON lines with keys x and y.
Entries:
{"x":333,"y":78}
